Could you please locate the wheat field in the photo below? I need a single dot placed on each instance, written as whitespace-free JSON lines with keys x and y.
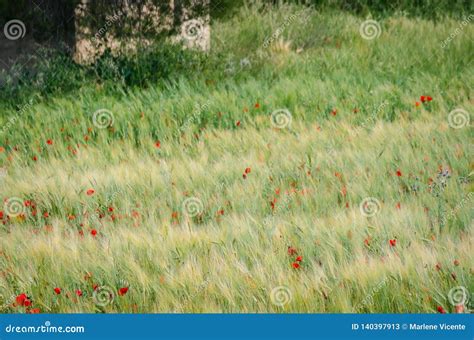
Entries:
{"x":322,"y":172}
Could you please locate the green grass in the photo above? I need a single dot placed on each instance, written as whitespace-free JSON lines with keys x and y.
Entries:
{"x":305,"y":186}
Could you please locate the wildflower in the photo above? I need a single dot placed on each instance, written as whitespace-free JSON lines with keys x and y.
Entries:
{"x":456,"y":263}
{"x":425,"y":99}
{"x":158,"y":144}
{"x":57,"y":290}
{"x":20,"y":299}
{"x":257,"y":105}
{"x":441,"y":310}
{"x":93,"y":232}
{"x":393,"y":242}
{"x":79,"y":292}
{"x":49,"y":142}
{"x":334,"y":112}
{"x":34,"y":311}
{"x":247,"y":170}
{"x":237,"y":123}
{"x":398,"y":205}
{"x":399,"y":173}
{"x":71,"y":217}
{"x":299,"y":258}
{"x":46,"y":214}
{"x":90,"y":192}
{"x":295,"y":265}
{"x":438,"y":266}
{"x":122,"y":291}
{"x":244,"y":176}
{"x":417,"y":104}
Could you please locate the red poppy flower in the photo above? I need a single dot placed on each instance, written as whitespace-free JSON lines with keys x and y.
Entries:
{"x":95,"y":286}
{"x":49,"y":142}
{"x":110,"y":209}
{"x":244,"y":176}
{"x":237,"y":123}
{"x":257,"y":105}
{"x":90,"y":192}
{"x":46,"y":214}
{"x":158,"y":144}
{"x":428,"y":98}
{"x":398,"y":205}
{"x":399,"y":173}
{"x":57,"y":290}
{"x":34,"y":311}
{"x":247,"y":170}
{"x":27,"y":303}
{"x":122,"y":291}
{"x":71,"y":217}
{"x":299,"y":258}
{"x":1,"y":215}
{"x":295,"y":265}
{"x":292,"y":251}
{"x":35,"y":158}
{"x":417,"y":104}
{"x":441,"y":310}
{"x":20,"y":299}
{"x":2,"y":149}
{"x":393,"y":242}
{"x":334,"y":112}
{"x":79,"y":292}
{"x":93,"y":232}
{"x":367,"y":241}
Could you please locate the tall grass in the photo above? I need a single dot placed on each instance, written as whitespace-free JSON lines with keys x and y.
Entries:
{"x":175,"y":216}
